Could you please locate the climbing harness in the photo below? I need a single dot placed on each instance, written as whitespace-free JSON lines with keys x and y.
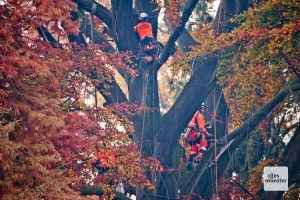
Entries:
{"x":148,"y":44}
{"x":148,"y":50}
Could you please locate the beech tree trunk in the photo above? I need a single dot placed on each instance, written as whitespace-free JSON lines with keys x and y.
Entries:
{"x":159,"y":134}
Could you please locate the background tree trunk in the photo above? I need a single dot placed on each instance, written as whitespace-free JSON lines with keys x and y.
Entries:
{"x":290,"y":159}
{"x":159,"y":134}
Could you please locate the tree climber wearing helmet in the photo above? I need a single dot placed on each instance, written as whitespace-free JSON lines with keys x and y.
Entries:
{"x":194,"y":138}
{"x":147,"y":44}
{"x":143,"y":28}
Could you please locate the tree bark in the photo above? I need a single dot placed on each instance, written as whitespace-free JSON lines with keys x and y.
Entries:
{"x":123,"y":23}
{"x":97,"y":38}
{"x":172,"y":124}
{"x":240,"y":134}
{"x":170,"y":46}
{"x":166,"y":133}
{"x":289,"y":159}
{"x":97,"y":190}
{"x":101,"y":12}
{"x":204,"y":80}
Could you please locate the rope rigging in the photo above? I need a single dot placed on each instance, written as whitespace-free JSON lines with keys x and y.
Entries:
{"x":93,"y":10}
{"x":216,"y":104}
{"x":144,"y":103}
{"x":215,"y":112}
{"x":144,"y":98}
{"x":215,"y":144}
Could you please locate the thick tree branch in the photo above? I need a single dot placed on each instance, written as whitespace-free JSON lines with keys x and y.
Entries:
{"x":113,"y":94}
{"x":290,"y":159}
{"x":292,"y":66}
{"x":185,"y":41}
{"x":174,"y":122}
{"x":227,"y":12}
{"x":297,"y":124}
{"x":264,"y":111}
{"x":123,"y":25}
{"x":104,"y":45}
{"x":195,"y":91}
{"x":101,"y":12}
{"x":170,"y":46}
{"x":98,"y":38}
{"x":194,"y":94}
{"x":97,"y":190}
{"x":240,"y":134}
{"x":192,"y":105}
{"x":47,"y":36}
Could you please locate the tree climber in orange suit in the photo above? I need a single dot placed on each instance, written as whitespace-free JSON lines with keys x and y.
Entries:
{"x":193,"y":135}
{"x":147,"y":44}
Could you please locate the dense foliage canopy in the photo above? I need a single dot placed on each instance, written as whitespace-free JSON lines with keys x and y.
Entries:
{"x":57,"y":57}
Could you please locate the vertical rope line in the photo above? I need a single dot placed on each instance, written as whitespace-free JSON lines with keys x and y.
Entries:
{"x":144,"y":114}
{"x":116,"y":89}
{"x":93,"y":9}
{"x":226,"y":130}
{"x":153,"y":126}
{"x":143,"y":126}
{"x":215,"y":144}
{"x":214,"y":116}
{"x":43,"y":34}
{"x":210,"y":181}
{"x":92,"y":27}
{"x":153,"y":116}
{"x":219,"y":20}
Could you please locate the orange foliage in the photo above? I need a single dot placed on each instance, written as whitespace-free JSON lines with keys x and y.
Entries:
{"x":258,"y":57}
{"x":173,"y":12}
{"x":229,"y":189}
{"x":255,"y":181}
{"x":44,"y":131}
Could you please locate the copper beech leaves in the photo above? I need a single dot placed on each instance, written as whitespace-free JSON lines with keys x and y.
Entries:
{"x":257,"y":58}
{"x":45,"y":131}
{"x":255,"y":183}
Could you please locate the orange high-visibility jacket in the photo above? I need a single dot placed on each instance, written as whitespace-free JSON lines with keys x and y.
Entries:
{"x":143,"y":29}
{"x":199,"y":120}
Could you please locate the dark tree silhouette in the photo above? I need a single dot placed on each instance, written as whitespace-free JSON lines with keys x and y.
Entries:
{"x":164,"y":131}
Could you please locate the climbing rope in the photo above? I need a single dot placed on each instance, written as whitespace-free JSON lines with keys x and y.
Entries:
{"x":116,"y":89}
{"x":145,"y":77}
{"x":226,"y":130}
{"x":214,"y":115}
{"x":219,"y":19}
{"x":93,"y":10}
{"x":215,"y":144}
